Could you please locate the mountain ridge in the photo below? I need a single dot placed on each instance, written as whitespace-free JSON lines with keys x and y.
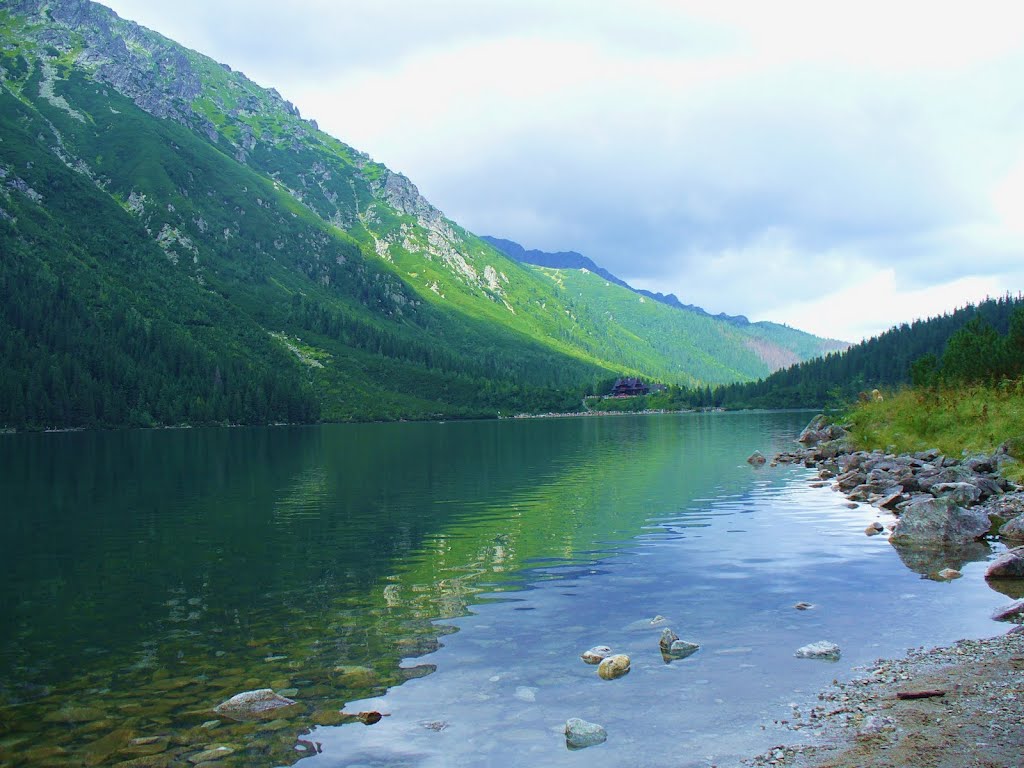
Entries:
{"x":575,"y":260}
{"x":266,"y":270}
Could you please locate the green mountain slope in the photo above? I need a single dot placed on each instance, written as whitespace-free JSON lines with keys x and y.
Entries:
{"x":181,"y":246}
{"x":680,"y":346}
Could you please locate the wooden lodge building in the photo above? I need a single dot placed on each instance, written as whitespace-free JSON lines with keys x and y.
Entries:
{"x":629,"y":386}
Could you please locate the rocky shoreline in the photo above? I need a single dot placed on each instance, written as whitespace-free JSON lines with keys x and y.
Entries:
{"x":960,"y":706}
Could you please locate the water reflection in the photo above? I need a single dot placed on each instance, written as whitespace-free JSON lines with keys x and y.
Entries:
{"x":151,"y":575}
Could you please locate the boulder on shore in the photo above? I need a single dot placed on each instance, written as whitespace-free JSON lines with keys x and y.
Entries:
{"x":1014,"y":529}
{"x":1009,"y":565}
{"x":937,"y":522}
{"x":1013,"y":612}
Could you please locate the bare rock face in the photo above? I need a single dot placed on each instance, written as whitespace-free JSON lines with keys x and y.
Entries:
{"x":939,"y":522}
{"x":260,"y":704}
{"x":1009,"y":565}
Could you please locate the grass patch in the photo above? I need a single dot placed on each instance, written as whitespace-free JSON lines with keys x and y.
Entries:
{"x":956,"y":420}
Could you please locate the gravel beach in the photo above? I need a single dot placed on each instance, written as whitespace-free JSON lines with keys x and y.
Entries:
{"x":976,"y":722}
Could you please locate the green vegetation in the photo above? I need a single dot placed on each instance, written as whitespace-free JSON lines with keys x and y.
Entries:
{"x":180,"y":245}
{"x":882,"y":362}
{"x":974,"y":418}
{"x":675,"y":346}
{"x":971,"y":399}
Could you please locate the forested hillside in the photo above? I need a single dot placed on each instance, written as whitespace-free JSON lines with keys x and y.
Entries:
{"x":880,"y":362}
{"x":181,"y":246}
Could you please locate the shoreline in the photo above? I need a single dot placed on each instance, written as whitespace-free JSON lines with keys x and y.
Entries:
{"x":955,"y":706}
{"x":976,"y":722}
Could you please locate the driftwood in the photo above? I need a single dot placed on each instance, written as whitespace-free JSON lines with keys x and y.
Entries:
{"x":919,"y":694}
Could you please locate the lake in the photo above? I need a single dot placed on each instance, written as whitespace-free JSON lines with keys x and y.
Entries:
{"x":446,"y":575}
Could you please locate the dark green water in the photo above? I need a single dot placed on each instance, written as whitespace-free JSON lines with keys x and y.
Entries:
{"x":148,"y":576}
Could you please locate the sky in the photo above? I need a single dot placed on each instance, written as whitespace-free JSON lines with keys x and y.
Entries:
{"x":838,"y":167}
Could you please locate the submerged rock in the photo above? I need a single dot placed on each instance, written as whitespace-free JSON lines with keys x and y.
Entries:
{"x":260,"y":704}
{"x":216,"y":752}
{"x":948,"y":574}
{"x":596,"y":654}
{"x":613,"y":667}
{"x":929,"y":560}
{"x":580,"y":734}
{"x":822,"y":649}
{"x":756,"y":459}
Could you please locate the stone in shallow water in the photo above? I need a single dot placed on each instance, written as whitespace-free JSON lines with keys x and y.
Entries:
{"x":580,"y":734}
{"x":613,"y":666}
{"x":260,"y":704}
{"x":215,"y":752}
{"x":667,"y":638}
{"x":74,"y":715}
{"x":1009,"y":565}
{"x":822,"y":649}
{"x":680,"y":649}
{"x":595,"y":654}
{"x":526,"y":693}
{"x":356,"y":677}
{"x":1013,"y":612}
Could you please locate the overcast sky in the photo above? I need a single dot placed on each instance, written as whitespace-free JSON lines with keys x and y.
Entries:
{"x":839,"y":167}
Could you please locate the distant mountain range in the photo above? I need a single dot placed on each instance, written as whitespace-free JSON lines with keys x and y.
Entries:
{"x":180,"y":246}
{"x":573,"y":260}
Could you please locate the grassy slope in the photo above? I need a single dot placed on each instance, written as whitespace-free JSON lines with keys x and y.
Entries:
{"x":678,"y":346}
{"x":972,"y":419}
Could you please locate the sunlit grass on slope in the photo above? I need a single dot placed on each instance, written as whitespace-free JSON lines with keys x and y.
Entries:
{"x":971,"y":419}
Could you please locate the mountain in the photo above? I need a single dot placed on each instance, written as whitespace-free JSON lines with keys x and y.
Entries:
{"x":559,"y":260}
{"x":883,"y":361}
{"x":181,"y":246}
{"x":573,"y":260}
{"x":683,"y":338}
